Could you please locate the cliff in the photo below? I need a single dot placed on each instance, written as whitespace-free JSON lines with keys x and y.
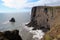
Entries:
{"x":43,"y":17}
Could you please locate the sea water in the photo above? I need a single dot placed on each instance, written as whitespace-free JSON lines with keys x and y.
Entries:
{"x":21,"y":19}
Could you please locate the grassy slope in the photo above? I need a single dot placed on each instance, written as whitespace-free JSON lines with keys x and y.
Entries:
{"x":54,"y":33}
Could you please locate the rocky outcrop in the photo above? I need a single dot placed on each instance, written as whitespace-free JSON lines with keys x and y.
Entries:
{"x":12,"y":20}
{"x":43,"y":17}
{"x":10,"y":35}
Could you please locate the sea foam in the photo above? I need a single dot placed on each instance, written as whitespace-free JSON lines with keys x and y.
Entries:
{"x":36,"y":34}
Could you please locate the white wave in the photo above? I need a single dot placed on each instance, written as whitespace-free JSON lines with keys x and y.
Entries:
{"x":36,"y":34}
{"x":6,"y":22}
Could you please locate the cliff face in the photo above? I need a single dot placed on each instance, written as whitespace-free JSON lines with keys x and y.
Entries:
{"x":43,"y":17}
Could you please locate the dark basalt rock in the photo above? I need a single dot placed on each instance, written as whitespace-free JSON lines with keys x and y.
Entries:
{"x":2,"y":36}
{"x":10,"y":35}
{"x":12,"y":20}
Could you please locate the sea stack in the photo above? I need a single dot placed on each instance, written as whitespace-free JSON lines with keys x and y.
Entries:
{"x":12,"y":20}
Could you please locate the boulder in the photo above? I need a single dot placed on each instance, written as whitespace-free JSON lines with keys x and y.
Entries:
{"x":2,"y":36}
{"x":10,"y":35}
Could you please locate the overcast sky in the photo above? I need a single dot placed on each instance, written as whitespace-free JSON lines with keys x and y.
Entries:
{"x":24,"y":5}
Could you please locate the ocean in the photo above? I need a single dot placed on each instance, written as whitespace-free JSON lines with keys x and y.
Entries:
{"x":21,"y":19}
